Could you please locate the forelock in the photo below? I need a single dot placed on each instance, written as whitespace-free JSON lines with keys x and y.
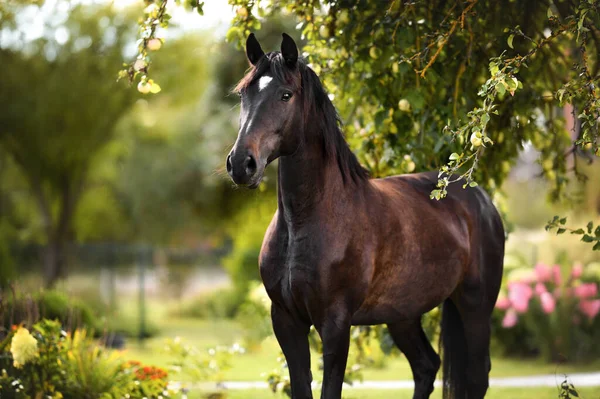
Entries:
{"x":273,"y":65}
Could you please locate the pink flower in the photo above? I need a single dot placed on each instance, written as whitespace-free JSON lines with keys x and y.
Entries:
{"x":543,"y":272}
{"x":510,"y":319}
{"x":540,"y":288}
{"x":548,"y":302}
{"x":577,"y":270}
{"x":586,"y":290}
{"x":556,"y":272}
{"x":590,"y":308}
{"x":503,"y":302}
{"x":519,"y":295}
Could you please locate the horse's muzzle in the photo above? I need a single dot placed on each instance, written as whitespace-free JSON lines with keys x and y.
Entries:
{"x":242,"y":169}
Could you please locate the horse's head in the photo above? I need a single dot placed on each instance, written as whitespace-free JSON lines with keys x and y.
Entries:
{"x":271,"y":109}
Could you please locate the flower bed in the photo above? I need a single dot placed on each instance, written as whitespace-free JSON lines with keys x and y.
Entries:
{"x":47,"y":362}
{"x":544,"y":312}
{"x":51,"y":363}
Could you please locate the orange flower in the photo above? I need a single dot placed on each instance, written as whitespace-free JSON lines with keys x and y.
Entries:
{"x":150,"y":373}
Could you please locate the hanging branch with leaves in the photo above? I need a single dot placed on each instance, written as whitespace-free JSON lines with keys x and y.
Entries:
{"x":155,"y":16}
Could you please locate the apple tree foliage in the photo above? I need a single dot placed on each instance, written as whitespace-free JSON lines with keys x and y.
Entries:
{"x":458,"y":86}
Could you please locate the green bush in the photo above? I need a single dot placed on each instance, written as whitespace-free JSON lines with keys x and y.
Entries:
{"x":7,"y":267}
{"x":50,"y":304}
{"x":247,"y":231}
{"x":56,"y":305}
{"x":72,"y":313}
{"x":255,"y":317}
{"x":220,"y":304}
{"x":512,"y":342}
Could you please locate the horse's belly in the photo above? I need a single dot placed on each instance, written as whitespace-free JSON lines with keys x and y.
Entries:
{"x":406,"y":294}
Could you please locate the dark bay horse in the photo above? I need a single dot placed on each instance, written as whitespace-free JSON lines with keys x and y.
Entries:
{"x":343,"y":249}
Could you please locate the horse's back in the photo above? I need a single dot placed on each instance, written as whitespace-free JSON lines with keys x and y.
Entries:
{"x":486,"y":230}
{"x":473,"y":200}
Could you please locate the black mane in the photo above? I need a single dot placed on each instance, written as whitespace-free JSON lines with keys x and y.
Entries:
{"x":317,"y":107}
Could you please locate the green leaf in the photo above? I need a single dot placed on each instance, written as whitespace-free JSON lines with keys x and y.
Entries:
{"x":416,"y":100}
{"x":510,"y":41}
{"x":560,"y":231}
{"x":597,"y":231}
{"x":562,"y":221}
{"x":454,"y":156}
{"x":500,"y":88}
{"x":573,"y":392}
{"x":379,"y":118}
{"x":494,"y":68}
{"x":473,"y":184}
{"x":587,"y":238}
{"x":578,"y":231}
{"x":485,"y":118}
{"x":590,"y":226}
{"x":232,"y":33}
{"x":581,"y":20}
{"x":596,"y":247}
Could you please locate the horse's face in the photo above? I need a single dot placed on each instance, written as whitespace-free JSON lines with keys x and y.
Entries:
{"x":270,"y":110}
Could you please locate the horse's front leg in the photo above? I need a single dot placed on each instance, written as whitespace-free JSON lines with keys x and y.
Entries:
{"x":292,"y":335}
{"x":335,"y":334}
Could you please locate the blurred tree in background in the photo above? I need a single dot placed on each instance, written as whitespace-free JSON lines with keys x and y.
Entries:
{"x":86,"y":160}
{"x":49,"y":136}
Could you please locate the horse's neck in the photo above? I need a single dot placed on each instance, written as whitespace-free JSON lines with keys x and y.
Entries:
{"x":305,"y":183}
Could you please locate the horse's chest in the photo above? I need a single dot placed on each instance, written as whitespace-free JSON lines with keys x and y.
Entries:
{"x":291,"y":277}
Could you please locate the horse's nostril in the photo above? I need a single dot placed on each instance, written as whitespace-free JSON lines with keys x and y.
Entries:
{"x":250,"y":165}
{"x":229,"y":167}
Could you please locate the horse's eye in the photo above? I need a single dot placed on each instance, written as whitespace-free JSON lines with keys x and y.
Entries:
{"x":286,"y":96}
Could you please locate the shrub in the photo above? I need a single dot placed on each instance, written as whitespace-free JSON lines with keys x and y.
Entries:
{"x":255,"y":317}
{"x":72,"y":313}
{"x":56,"y":305}
{"x":543,"y":312}
{"x":50,"y":304}
{"x":48,"y":362}
{"x":200,"y":365}
{"x":220,"y":304}
{"x":247,"y":232}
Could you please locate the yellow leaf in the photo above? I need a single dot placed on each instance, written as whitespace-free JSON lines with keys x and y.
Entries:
{"x":154,"y":88}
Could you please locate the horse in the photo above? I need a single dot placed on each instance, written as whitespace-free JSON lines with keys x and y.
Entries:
{"x":343,"y":249}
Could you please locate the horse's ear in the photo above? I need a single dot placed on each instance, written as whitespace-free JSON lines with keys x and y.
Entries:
{"x":253,"y":49}
{"x":289,"y":50}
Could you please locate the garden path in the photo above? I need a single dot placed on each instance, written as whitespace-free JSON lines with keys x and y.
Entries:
{"x":547,"y":380}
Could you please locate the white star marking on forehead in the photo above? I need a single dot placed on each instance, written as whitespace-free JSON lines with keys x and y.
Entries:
{"x":263,"y":82}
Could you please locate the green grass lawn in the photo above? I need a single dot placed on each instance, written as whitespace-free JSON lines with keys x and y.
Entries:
{"x":252,"y":366}
{"x":493,"y":393}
